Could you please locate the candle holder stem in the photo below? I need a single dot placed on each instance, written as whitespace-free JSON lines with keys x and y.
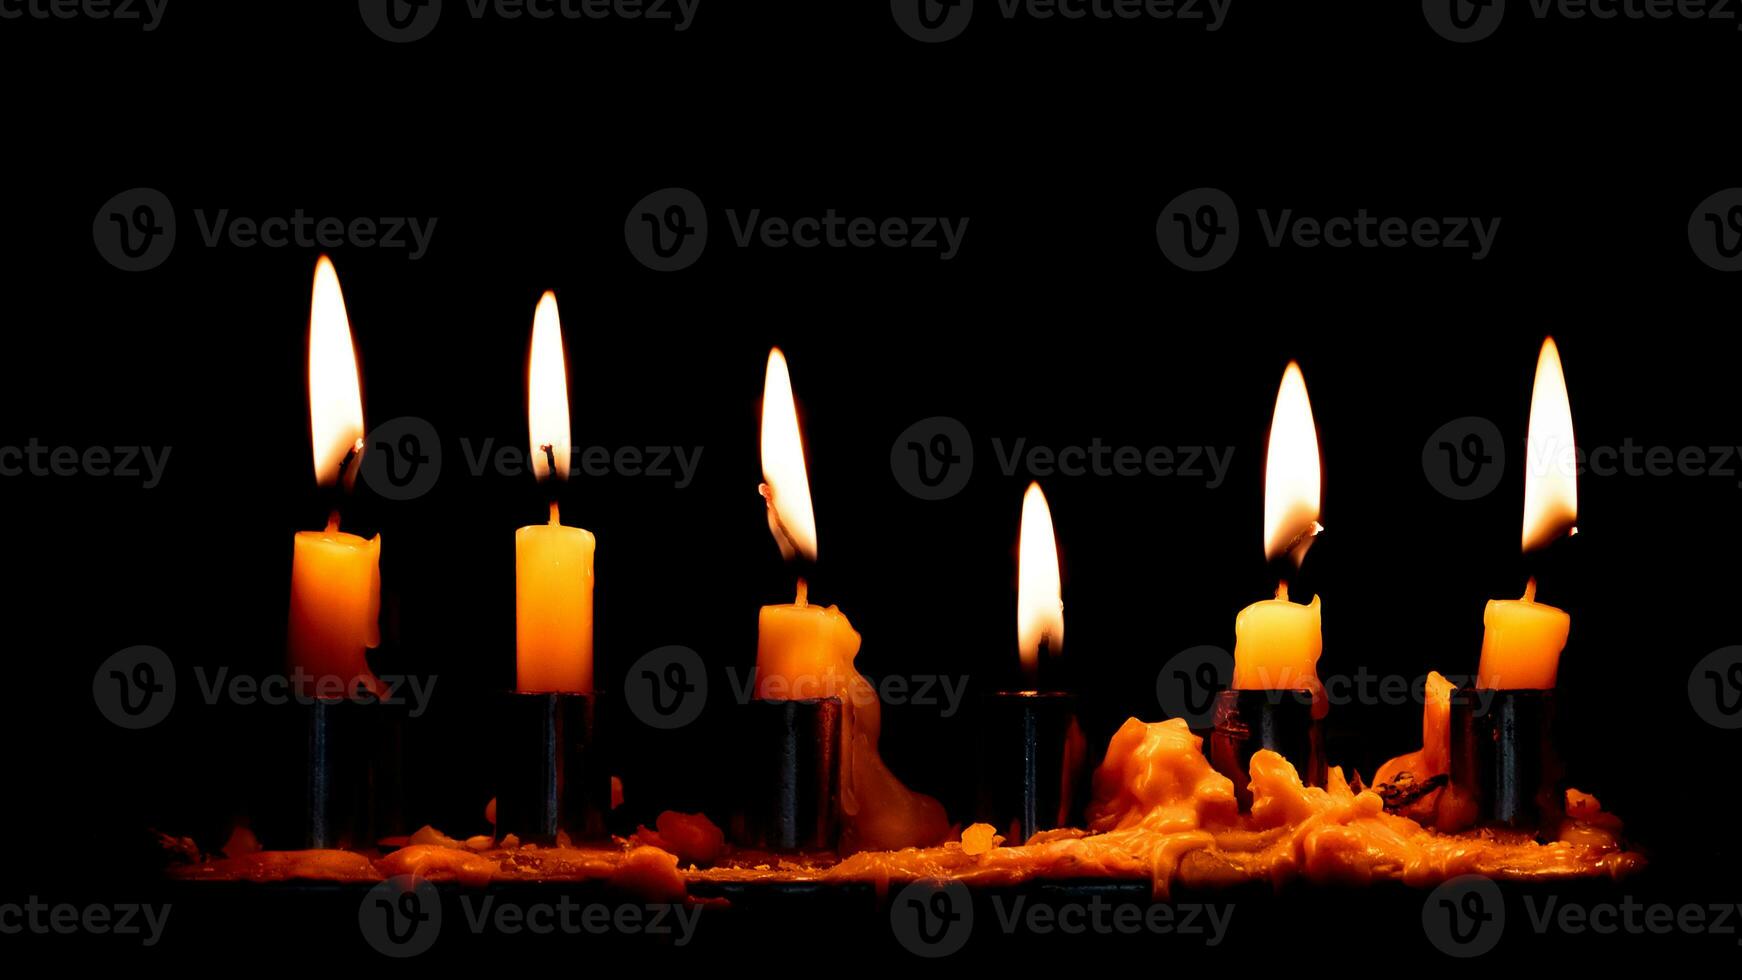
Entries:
{"x":1031,"y":762}
{"x":793,"y":756}
{"x":1505,"y":767}
{"x":1281,"y":721}
{"x":553,"y":780}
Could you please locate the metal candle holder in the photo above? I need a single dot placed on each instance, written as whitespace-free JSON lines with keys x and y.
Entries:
{"x":1029,"y":778}
{"x":791,"y":789}
{"x":337,"y":781}
{"x":1281,"y":721}
{"x":1505,"y":768}
{"x":553,"y":778}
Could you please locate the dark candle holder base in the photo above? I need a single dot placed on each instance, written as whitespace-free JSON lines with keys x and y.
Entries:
{"x":1506,"y":770}
{"x":793,"y":753}
{"x":1031,"y":763}
{"x":553,"y":778}
{"x":346,"y":791}
{"x":1281,"y":721}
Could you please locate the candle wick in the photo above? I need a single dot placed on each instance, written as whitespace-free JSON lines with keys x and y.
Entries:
{"x":804,"y":591}
{"x":549,"y":451}
{"x":1282,"y":590}
{"x":1530,"y":590}
{"x":347,"y":476}
{"x":333,"y":521}
{"x":555,"y":516}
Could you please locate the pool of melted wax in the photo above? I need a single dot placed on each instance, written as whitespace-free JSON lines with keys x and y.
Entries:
{"x":1159,"y":813}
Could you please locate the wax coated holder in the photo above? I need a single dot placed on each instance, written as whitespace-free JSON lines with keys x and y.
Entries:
{"x":553,"y":778}
{"x":1281,"y":721}
{"x":1504,"y":762}
{"x":792,"y":753}
{"x":336,"y":774}
{"x":1029,"y":779}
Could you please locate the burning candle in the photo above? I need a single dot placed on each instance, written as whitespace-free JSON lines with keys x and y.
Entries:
{"x":1522,"y":639}
{"x":1277,"y":641}
{"x":335,"y":579}
{"x":553,"y":563}
{"x":805,"y":651}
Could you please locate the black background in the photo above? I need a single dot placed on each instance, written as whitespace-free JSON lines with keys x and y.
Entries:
{"x":1059,"y":322}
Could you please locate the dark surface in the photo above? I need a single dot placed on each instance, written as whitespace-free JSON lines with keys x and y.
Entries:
{"x":1059,"y":322}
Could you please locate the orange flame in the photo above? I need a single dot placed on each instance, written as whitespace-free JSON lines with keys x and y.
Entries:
{"x":335,"y":399}
{"x":1040,"y":613}
{"x":786,"y":485}
{"x":1291,"y":472}
{"x":547,"y":393}
{"x":1551,"y":474}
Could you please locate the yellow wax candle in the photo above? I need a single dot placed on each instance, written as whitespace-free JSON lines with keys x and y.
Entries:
{"x":804,"y":651}
{"x":335,"y":578}
{"x":335,"y":609}
{"x":554,"y":607}
{"x":1277,"y":644}
{"x":1522,"y":640}
{"x":553,"y":564}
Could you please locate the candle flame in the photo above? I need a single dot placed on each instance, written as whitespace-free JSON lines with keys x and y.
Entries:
{"x":335,"y":400}
{"x":1551,"y":481}
{"x":1040,"y":613}
{"x":785,"y":483}
{"x":547,"y":393}
{"x":1291,"y":472}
